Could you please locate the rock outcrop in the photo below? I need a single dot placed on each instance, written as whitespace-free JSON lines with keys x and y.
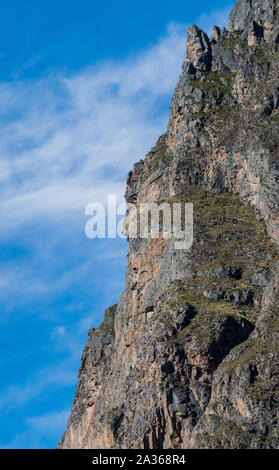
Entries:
{"x":189,"y":356}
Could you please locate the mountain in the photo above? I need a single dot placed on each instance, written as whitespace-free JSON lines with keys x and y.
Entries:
{"x":189,"y":356}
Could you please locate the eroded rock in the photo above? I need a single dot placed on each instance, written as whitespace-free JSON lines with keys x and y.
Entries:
{"x":189,"y":357}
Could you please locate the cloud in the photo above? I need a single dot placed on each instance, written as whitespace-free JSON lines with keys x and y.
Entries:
{"x":66,"y":141}
{"x":52,"y":377}
{"x":48,"y":423}
{"x":75,"y":137}
{"x":38,"y":430}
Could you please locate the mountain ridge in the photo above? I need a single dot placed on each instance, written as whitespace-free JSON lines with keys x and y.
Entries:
{"x":189,"y":356}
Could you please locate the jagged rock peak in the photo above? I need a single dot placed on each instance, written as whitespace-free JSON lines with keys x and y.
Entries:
{"x":198,"y":50}
{"x":215,"y":33}
{"x":248,"y":14}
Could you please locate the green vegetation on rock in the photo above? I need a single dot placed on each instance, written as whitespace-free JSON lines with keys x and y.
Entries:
{"x":107,"y":324}
{"x":215,"y":83}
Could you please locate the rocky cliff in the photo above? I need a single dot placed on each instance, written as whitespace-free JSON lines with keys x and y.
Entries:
{"x":189,"y":356}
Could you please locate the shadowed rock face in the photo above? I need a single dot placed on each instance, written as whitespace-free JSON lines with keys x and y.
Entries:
{"x":189,"y":356}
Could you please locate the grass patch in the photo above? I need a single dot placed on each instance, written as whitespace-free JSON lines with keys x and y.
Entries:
{"x":233,"y":43}
{"x":253,"y":349}
{"x":107,"y":324}
{"x":261,"y":55}
{"x":215,"y":83}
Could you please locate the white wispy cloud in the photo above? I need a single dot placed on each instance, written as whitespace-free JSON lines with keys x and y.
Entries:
{"x":48,"y":422}
{"x":37,"y":429}
{"x":66,"y":141}
{"x":52,"y":377}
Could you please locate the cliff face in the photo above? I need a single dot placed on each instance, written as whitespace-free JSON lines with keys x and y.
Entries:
{"x":189,"y":356}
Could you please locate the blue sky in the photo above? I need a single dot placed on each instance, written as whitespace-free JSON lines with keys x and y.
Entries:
{"x":85,"y":92}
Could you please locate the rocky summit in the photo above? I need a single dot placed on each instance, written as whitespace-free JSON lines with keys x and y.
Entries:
{"x":189,"y":356}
